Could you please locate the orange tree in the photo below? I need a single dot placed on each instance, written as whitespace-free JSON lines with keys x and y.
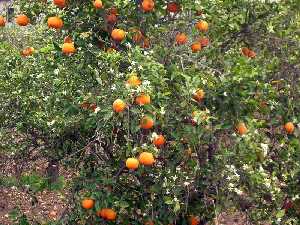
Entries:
{"x":172,"y":111}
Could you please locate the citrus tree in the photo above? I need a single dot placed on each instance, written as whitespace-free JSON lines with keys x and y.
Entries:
{"x":172,"y":111}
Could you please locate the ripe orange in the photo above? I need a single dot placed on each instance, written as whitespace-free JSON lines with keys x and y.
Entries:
{"x":118,"y":35}
{"x":194,"y":220}
{"x":173,"y":7}
{"x":55,"y":22}
{"x":27,"y":51}
{"x":148,"y":5}
{"x":196,"y":47}
{"x":146,"y":122}
{"x":146,"y":158}
{"x":202,"y":26}
{"x":68,"y":48}
{"x":2,"y":21}
{"x":132,"y":163}
{"x":159,"y":140}
{"x":241,"y":128}
{"x":289,"y":127}
{"x":198,"y":95}
{"x":98,"y":4}
{"x":111,"y":18}
{"x":22,"y":20}
{"x":248,"y":52}
{"x":204,"y":41}
{"x":134,"y":81}
{"x":68,"y":39}
{"x":119,"y":105}
{"x":107,"y":214}
{"x":87,"y":203}
{"x":59,"y":3}
{"x":143,"y":99}
{"x":181,"y":38}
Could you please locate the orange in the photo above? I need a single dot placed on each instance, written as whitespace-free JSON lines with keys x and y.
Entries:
{"x":119,"y":105}
{"x":111,"y":18}
{"x":22,"y":20}
{"x":159,"y":140}
{"x":146,"y":122}
{"x":68,"y":48}
{"x":2,"y":21}
{"x":132,"y":163}
{"x":107,"y":214}
{"x":98,"y":4}
{"x":143,"y":99}
{"x":204,"y":41}
{"x":68,"y":39}
{"x":27,"y":51}
{"x":181,"y":38}
{"x":134,"y":81}
{"x":241,"y":128}
{"x":148,"y":5}
{"x":59,"y":3}
{"x":87,"y":203}
{"x":202,"y":26}
{"x":194,"y":220}
{"x":173,"y":7}
{"x":196,"y":47}
{"x":55,"y":22}
{"x":289,"y":127}
{"x":146,"y":158}
{"x":198,"y":95}
{"x":118,"y":35}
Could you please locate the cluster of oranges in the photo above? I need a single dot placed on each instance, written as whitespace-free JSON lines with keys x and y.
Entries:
{"x":202,"y":26}
{"x":105,"y":213}
{"x":146,"y":122}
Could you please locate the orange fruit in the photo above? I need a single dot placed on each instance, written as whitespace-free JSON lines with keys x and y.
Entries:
{"x":27,"y":51}
{"x":173,"y":7}
{"x":68,"y":48}
{"x":143,"y":99}
{"x":204,"y":41}
{"x":87,"y":203}
{"x":146,"y":158}
{"x":98,"y":4}
{"x":196,"y":47}
{"x":132,"y":163}
{"x":194,"y":220}
{"x":289,"y":127}
{"x":119,"y":105}
{"x":134,"y":81}
{"x":159,"y":140}
{"x":55,"y":22}
{"x":181,"y":38}
{"x":22,"y":20}
{"x":241,"y":128}
{"x":147,"y":5}
{"x":2,"y":21}
{"x":146,"y":122}
{"x":202,"y":26}
{"x":111,"y":18}
{"x":59,"y":3}
{"x":118,"y":35}
{"x":68,"y":39}
{"x":198,"y":95}
{"x":110,"y":214}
